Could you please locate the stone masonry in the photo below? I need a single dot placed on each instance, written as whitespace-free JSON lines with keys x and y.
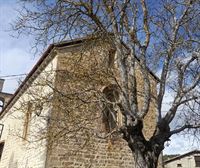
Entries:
{"x":70,"y":132}
{"x":92,"y":152}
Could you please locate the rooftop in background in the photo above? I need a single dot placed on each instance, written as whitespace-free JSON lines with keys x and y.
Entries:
{"x":183,"y":155}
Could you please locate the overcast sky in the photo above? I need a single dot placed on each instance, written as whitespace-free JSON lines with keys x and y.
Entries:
{"x":16,"y":58}
{"x":15,"y":53}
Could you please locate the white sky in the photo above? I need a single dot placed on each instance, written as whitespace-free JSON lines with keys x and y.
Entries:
{"x":16,"y":58}
{"x":179,"y":143}
{"x":15,"y":53}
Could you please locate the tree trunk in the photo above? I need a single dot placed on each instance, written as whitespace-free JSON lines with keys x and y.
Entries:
{"x":145,"y":159}
{"x":145,"y":152}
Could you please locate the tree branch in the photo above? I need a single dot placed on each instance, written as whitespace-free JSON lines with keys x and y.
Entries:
{"x":187,"y":126}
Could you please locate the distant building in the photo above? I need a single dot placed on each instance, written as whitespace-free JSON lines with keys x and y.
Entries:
{"x":187,"y":160}
{"x":4,"y":97}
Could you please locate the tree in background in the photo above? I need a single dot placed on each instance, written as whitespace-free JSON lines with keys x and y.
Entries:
{"x":163,"y":35}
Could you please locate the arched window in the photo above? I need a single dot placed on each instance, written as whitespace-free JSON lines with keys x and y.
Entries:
{"x":110,"y":110}
{"x":111,"y":93}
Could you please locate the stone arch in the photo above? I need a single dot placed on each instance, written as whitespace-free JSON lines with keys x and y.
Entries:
{"x":111,"y":93}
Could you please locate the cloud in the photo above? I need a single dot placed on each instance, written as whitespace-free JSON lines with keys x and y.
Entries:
{"x":15,"y":61}
{"x":15,"y":53}
{"x":167,"y":101}
{"x":180,"y":144}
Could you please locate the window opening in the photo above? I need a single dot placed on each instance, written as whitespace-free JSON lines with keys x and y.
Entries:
{"x":111,"y":57}
{"x":197,"y":161}
{"x":27,"y":119}
{"x":1,"y":149}
{"x":111,"y":114}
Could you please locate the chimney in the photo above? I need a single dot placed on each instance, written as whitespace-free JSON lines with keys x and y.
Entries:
{"x":1,"y":84}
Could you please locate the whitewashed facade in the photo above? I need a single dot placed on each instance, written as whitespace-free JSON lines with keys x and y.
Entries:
{"x":188,"y":160}
{"x":19,"y":152}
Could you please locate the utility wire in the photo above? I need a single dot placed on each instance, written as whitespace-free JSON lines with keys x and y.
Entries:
{"x":14,"y":75}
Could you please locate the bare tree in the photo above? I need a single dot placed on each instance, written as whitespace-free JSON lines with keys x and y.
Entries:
{"x":167,"y":32}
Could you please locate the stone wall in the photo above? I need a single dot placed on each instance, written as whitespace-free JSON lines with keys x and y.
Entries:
{"x":70,"y":128}
{"x":96,"y":153}
{"x":83,"y":148}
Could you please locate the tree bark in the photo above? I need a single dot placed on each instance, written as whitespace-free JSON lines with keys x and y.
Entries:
{"x":145,"y":152}
{"x":145,"y":159}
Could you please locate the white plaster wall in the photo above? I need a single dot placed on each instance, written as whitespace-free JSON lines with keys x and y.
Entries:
{"x":18,"y":153}
{"x":187,"y":162}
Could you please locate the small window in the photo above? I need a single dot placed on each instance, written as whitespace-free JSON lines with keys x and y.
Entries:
{"x":179,"y":165}
{"x":111,"y":116}
{"x":111,"y":57}
{"x":111,"y":93}
{"x":27,"y":119}
{"x":1,"y":149}
{"x":197,"y":161}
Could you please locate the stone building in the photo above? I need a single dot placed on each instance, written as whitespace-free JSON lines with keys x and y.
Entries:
{"x":4,"y":97}
{"x":46,"y":122}
{"x":187,"y":160}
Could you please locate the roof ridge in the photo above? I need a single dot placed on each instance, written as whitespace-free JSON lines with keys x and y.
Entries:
{"x":182,"y":155}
